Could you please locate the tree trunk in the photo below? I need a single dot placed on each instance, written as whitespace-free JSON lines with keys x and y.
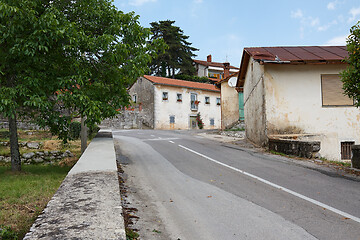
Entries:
{"x":14,"y":146}
{"x":83,"y":135}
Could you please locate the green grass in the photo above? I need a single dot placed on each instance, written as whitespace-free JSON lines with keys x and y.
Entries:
{"x":24,"y":195}
{"x":235,"y":129}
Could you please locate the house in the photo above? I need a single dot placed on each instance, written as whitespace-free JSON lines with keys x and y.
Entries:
{"x":297,"y":92}
{"x":174,"y":104}
{"x":212,"y":70}
{"x":229,"y":98}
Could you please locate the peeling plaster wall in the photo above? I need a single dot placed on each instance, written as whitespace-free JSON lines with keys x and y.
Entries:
{"x":229,"y":105}
{"x":182,"y":111}
{"x":144,"y":91}
{"x":294,"y":105}
{"x":254,"y":104}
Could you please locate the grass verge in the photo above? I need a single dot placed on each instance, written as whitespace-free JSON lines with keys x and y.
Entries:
{"x":24,"y":195}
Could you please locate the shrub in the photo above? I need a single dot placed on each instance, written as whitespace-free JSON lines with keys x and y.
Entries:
{"x":199,"y":121}
{"x":74,"y":130}
{"x":6,"y":233}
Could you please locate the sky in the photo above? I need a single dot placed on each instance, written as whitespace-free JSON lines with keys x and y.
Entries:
{"x":223,"y":28}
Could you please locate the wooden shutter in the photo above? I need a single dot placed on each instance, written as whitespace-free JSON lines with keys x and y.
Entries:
{"x":332,"y":92}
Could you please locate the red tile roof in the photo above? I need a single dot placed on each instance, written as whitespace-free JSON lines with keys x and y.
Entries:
{"x":181,"y":83}
{"x":213,"y":64}
{"x":292,"y":55}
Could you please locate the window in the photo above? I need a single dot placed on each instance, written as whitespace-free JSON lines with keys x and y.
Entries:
{"x":332,"y":92}
{"x":218,"y":101}
{"x":212,"y":122}
{"x":193,"y":101}
{"x":207,"y":100}
{"x":165,"y":95}
{"x":172,"y":119}
{"x":346,"y":150}
{"x":179,"y":97}
{"x":134,"y":98}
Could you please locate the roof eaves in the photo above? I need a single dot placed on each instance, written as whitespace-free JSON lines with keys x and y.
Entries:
{"x":174,"y":85}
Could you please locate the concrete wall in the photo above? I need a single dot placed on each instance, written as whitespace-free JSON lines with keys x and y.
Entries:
{"x":144,"y":91}
{"x":229,"y":105}
{"x":182,"y":110}
{"x":294,"y":105}
{"x":254,"y":104}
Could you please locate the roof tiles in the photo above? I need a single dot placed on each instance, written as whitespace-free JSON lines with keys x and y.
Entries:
{"x":181,"y":83}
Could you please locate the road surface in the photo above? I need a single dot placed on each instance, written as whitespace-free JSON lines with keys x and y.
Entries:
{"x":186,"y":186}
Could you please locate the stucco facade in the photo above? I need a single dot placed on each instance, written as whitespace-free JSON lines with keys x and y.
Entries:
{"x":229,"y":104}
{"x":170,"y":112}
{"x":287,"y":99}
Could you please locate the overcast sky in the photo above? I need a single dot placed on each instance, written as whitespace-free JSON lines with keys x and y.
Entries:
{"x":223,"y":28}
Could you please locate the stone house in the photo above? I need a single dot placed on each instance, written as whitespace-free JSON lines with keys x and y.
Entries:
{"x":296,"y":93}
{"x":212,"y":70}
{"x":173,"y":104}
{"x":229,"y":98}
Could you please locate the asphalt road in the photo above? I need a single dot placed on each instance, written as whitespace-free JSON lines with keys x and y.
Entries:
{"x":186,"y":186}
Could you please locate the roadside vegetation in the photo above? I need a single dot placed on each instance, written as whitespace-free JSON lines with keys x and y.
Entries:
{"x":24,"y":194}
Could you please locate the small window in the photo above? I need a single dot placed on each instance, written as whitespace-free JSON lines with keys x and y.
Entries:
{"x":218,"y":101}
{"x":134,"y":98}
{"x":207,"y":100}
{"x":172,"y":119}
{"x":346,"y":150}
{"x":165,"y":95}
{"x":332,"y":92}
{"x":179,"y":97}
{"x":193,"y":101}
{"x":212,"y":122}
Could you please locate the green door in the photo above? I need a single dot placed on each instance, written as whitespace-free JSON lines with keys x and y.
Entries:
{"x":241,"y":106}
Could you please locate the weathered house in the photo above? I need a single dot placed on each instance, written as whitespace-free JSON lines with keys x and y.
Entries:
{"x":229,"y":98}
{"x":173,"y":104}
{"x":212,"y":70}
{"x":296,"y":93}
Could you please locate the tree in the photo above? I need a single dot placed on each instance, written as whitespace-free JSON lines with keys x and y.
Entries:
{"x":351,"y":76}
{"x":69,"y":55}
{"x":179,"y":53}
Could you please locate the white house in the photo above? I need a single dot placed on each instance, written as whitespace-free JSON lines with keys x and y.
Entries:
{"x":174,"y":104}
{"x":210,"y":69}
{"x":297,"y":91}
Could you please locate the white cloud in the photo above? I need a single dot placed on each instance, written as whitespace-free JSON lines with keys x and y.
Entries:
{"x":337,"y":41}
{"x":138,"y":3}
{"x":198,"y":1}
{"x":297,"y":14}
{"x":314,"y":21}
{"x":331,"y":5}
{"x":327,"y":26}
{"x":354,"y":12}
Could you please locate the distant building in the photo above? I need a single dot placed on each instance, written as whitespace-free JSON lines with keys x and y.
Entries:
{"x":296,"y":92}
{"x":173,"y":104}
{"x":213,"y":70}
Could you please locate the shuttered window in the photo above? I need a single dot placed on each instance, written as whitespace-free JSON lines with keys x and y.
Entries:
{"x":346,"y":150}
{"x":332,"y":92}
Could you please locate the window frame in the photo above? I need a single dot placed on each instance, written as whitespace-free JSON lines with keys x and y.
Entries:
{"x":325,"y":94}
{"x":218,"y":101}
{"x":165,"y":96}
{"x":207,"y":100}
{"x":179,"y":99}
{"x":193,"y":105}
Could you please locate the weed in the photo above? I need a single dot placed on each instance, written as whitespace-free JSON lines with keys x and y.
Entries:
{"x":279,"y":153}
{"x":235,"y":129}
{"x":6,"y":233}
{"x":131,"y":234}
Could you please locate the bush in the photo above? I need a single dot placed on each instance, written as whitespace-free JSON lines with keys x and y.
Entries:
{"x":6,"y":233}
{"x":75,"y":128}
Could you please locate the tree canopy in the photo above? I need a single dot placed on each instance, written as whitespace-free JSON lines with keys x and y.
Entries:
{"x":351,"y":76}
{"x":64,"y":58}
{"x":179,"y":53}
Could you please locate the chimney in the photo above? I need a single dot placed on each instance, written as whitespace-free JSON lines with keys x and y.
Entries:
{"x":226,"y":69}
{"x":209,"y":58}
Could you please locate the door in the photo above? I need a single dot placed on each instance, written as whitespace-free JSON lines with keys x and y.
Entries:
{"x":193,"y":123}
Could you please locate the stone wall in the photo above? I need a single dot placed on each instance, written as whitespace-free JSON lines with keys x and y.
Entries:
{"x":25,"y":125}
{"x":126,"y":119}
{"x":40,"y":157}
{"x":299,"y":148}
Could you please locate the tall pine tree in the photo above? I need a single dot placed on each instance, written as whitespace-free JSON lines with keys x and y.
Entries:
{"x":179,"y":53}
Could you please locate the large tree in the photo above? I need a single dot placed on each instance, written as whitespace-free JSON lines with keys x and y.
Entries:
{"x":351,"y":76}
{"x":74,"y":55}
{"x":179,"y":53}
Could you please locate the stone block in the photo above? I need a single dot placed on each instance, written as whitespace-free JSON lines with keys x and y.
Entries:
{"x":355,"y":160}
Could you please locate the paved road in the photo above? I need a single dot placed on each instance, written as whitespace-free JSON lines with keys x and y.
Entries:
{"x":191,"y":187}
